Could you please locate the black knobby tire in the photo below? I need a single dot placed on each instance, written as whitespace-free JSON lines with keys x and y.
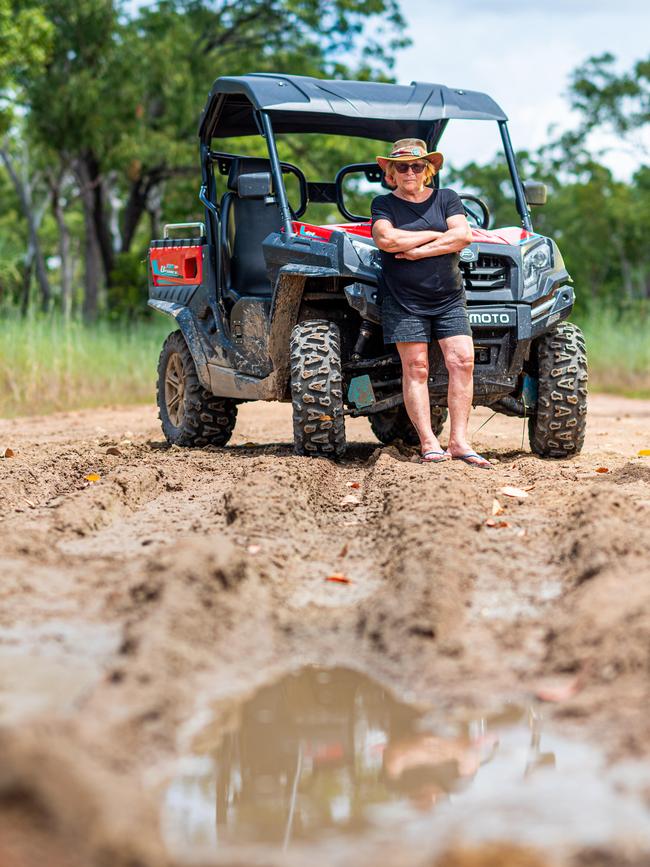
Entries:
{"x":317,"y":389}
{"x":557,"y":428}
{"x":190,"y":415}
{"x":394,"y":424}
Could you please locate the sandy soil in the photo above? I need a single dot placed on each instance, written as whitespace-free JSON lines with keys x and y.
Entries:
{"x":130,"y":604}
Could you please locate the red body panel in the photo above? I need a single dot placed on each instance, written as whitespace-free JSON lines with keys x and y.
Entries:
{"x":176,"y":266}
{"x":509,"y":235}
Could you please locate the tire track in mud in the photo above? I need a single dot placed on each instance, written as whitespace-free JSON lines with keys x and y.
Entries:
{"x":438,"y":604}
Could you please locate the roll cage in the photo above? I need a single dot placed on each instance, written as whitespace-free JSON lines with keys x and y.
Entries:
{"x":266,"y":104}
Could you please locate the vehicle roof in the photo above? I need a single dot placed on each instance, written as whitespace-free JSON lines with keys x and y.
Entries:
{"x":367,"y":109}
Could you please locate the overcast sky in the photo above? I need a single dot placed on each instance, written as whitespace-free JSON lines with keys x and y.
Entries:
{"x":520,"y":52}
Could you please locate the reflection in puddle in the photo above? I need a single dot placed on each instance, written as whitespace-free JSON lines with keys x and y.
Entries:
{"x":327,"y":752}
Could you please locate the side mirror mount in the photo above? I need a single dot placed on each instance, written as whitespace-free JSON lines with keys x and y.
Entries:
{"x":256,"y":185}
{"x":535,"y":192}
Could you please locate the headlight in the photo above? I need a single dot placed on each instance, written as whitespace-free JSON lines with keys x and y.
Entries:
{"x":536,"y":259}
{"x":369,"y":255}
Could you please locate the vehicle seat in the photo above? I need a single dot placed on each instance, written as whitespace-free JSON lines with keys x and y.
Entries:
{"x":245,"y":223}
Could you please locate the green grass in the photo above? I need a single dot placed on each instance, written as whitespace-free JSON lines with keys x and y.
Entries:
{"x":618,"y":349}
{"x":47,"y":364}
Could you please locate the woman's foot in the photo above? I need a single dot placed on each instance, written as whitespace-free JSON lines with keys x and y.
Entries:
{"x":434,"y":456}
{"x":462,"y":451}
{"x":474,"y":460}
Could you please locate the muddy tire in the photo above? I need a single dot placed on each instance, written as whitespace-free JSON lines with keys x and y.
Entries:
{"x":394,"y":424}
{"x":557,"y":429}
{"x":190,"y":415}
{"x":317,"y":389}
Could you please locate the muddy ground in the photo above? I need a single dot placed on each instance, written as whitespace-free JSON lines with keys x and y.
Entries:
{"x":131,"y":604}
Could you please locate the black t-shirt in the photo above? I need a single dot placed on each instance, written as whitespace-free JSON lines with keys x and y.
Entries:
{"x":428,"y":286}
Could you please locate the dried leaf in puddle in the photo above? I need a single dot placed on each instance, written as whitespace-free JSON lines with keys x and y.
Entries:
{"x":509,"y":491}
{"x":6,"y":452}
{"x":497,"y":508}
{"x":602,"y":469}
{"x":350,"y":500}
{"x":338,"y":578}
{"x":497,"y":525}
{"x":92,"y":477}
{"x":644,"y":453}
{"x":558,"y":690}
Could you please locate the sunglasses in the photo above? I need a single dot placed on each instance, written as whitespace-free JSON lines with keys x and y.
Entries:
{"x":403,"y":168}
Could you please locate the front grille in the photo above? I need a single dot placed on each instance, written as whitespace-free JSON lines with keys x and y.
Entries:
{"x":488,"y":272}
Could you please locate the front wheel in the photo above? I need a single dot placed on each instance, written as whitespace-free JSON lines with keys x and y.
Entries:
{"x":394,"y":424}
{"x":190,"y":415}
{"x":557,"y":428}
{"x":317,"y":389}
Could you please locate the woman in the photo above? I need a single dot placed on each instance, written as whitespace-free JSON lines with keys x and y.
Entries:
{"x":420,"y":231}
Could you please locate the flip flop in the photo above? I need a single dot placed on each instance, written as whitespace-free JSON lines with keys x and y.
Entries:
{"x":482,"y":463}
{"x":440,"y":457}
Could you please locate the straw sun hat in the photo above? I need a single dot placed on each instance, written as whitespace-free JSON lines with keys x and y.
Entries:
{"x":408,"y":150}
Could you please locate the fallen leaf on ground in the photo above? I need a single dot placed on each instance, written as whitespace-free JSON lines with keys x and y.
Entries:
{"x":92,"y":477}
{"x":497,"y":508}
{"x":250,"y":445}
{"x":338,"y":578}
{"x":254,"y":549}
{"x":344,"y":550}
{"x":113,"y":451}
{"x":509,"y":491}
{"x":602,"y":469}
{"x":353,"y":484}
{"x":6,"y":452}
{"x":644,"y":453}
{"x":350,"y":500}
{"x":559,"y":690}
{"x":324,"y":418}
{"x":498,"y":525}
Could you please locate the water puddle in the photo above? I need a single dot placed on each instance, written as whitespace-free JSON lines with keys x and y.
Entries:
{"x":329,"y":756}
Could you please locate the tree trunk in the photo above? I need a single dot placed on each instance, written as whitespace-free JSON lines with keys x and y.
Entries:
{"x":64,"y":246}
{"x":24,"y":193}
{"x":92,"y":252}
{"x":27,"y":280}
{"x":133,"y":211}
{"x":154,"y":209}
{"x":94,"y":200}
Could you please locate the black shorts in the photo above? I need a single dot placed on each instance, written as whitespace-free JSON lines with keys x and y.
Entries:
{"x":402,"y":326}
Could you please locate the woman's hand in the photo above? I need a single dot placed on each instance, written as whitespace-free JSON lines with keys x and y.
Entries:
{"x":413,"y":255}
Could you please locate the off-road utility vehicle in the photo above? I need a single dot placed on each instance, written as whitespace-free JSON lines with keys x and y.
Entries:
{"x":269,"y":307}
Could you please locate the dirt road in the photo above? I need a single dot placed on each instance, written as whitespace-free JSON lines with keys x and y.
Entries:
{"x":180,"y":581}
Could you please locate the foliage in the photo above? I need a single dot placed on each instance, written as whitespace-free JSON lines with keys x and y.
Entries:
{"x":618,"y":349}
{"x":48,"y":363}
{"x":100,"y":103}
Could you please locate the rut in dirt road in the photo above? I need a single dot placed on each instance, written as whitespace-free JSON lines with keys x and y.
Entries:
{"x":200,"y":575}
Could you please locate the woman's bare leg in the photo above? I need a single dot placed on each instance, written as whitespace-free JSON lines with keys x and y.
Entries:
{"x":458,"y":353}
{"x":415,"y":376}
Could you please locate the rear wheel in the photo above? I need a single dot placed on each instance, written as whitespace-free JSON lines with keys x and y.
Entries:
{"x":557,"y":429}
{"x":316,"y":389}
{"x":190,"y":415}
{"x":394,"y":424}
